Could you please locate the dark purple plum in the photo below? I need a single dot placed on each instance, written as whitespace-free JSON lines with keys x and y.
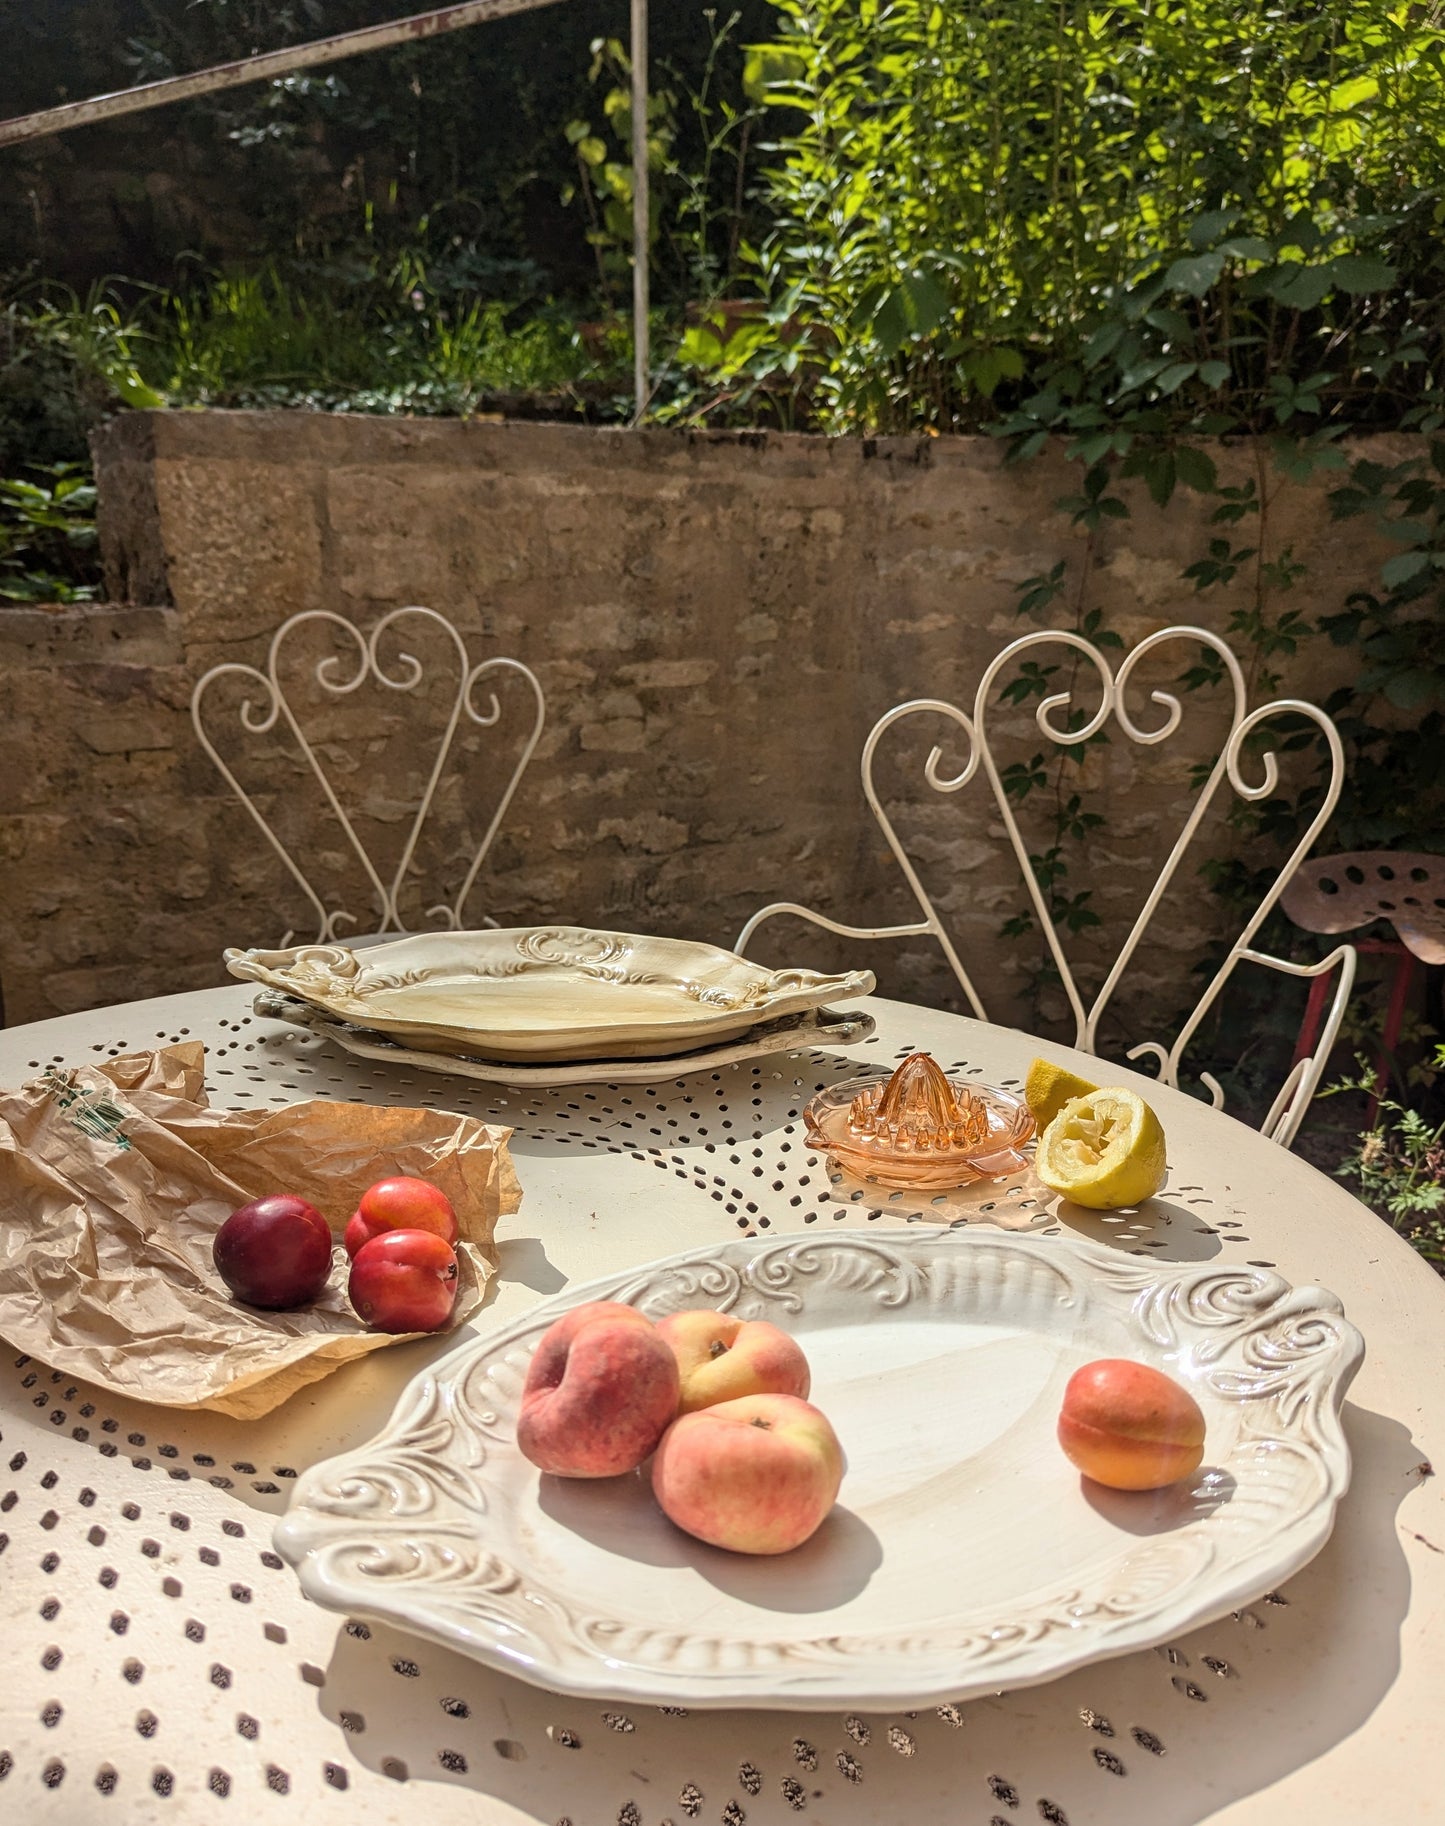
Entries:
{"x":274,"y":1252}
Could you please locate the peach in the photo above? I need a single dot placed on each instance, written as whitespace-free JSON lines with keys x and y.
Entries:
{"x":756,"y":1475}
{"x":601,"y":1389}
{"x":722,"y":1358}
{"x":1130,"y":1427}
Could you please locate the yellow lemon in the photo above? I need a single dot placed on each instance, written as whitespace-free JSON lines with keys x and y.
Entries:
{"x":1103,"y":1150}
{"x":1049,"y":1087}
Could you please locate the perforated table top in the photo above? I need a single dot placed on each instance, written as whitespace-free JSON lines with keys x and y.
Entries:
{"x":162,"y":1663}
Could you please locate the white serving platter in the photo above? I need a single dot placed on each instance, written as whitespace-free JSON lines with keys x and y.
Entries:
{"x":965,"y":1554}
{"x":793,"y":1033}
{"x":545,"y":992}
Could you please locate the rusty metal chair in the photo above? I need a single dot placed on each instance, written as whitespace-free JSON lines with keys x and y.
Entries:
{"x":1344,"y":893}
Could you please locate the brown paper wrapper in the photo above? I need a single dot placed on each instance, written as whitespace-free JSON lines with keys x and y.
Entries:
{"x":114,"y":1180}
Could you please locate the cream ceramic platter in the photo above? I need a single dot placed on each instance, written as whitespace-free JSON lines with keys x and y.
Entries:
{"x":965,"y":1555}
{"x":791,"y":1033}
{"x":554,"y":992}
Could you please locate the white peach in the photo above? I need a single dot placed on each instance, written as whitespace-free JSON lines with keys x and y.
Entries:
{"x":600,"y":1389}
{"x":756,"y":1475}
{"x":723,"y":1358}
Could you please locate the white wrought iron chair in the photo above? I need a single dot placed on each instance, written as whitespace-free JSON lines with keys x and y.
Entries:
{"x":1288,"y":1109}
{"x":337,"y":679}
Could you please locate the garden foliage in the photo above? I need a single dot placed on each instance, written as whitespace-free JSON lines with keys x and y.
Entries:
{"x":1200,"y":205}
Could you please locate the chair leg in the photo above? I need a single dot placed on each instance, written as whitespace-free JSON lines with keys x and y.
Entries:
{"x":1314,"y":1016}
{"x":1394,"y":1021}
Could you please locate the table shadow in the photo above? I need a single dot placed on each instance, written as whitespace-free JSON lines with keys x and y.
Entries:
{"x":1330,"y":1654}
{"x":1161,"y":1511}
{"x":619,"y":1515}
{"x":525,"y":1259}
{"x":1159,"y":1227}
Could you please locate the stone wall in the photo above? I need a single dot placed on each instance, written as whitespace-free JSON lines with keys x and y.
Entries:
{"x":717,"y":621}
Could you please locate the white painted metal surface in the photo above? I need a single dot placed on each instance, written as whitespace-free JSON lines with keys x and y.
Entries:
{"x":1282,"y":1121}
{"x":261,"y":719}
{"x":159,"y":1657}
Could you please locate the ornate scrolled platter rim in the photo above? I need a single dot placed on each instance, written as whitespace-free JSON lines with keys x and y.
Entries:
{"x":439,"y":1527}
{"x":791,"y":1033}
{"x":544,"y":992}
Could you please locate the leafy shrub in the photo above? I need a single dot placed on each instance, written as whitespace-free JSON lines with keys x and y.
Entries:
{"x":385,"y":343}
{"x":47,"y":537}
{"x":1183,"y":212}
{"x":1399,"y":1164}
{"x":373,"y":336}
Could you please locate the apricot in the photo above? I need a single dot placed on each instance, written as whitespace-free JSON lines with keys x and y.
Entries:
{"x":1130,"y":1427}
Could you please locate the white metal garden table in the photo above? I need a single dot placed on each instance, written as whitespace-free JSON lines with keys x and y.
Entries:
{"x":164,"y":1665}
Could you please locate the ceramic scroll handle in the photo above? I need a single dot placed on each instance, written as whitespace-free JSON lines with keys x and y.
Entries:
{"x":853,"y":982}
{"x":318,"y":966}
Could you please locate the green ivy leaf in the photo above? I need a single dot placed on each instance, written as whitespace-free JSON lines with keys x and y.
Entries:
{"x":1407,"y":532}
{"x":1300,"y":287}
{"x":1400,"y":569}
{"x":1143,"y":373}
{"x":1205,"y":230}
{"x":1194,"y":274}
{"x":1173,"y":323}
{"x":1246,"y":247}
{"x":1174,"y":376}
{"x":1195,"y":469}
{"x":913,"y":307}
{"x":987,"y":367}
{"x":1409,"y":690}
{"x":1159,"y":476}
{"x":1089,"y":449}
{"x":1103,"y":342}
{"x":1360,"y":273}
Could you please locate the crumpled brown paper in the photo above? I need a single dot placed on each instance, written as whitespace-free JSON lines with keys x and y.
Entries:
{"x":114,"y":1180}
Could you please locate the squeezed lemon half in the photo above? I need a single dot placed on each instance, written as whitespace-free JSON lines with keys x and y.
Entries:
{"x":1049,"y":1087}
{"x":1103,"y":1150}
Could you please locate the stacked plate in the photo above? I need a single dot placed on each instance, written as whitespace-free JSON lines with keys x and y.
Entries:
{"x":551,"y":1004}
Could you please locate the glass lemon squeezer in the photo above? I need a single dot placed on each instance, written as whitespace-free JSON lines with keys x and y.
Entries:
{"x":919,"y":1128}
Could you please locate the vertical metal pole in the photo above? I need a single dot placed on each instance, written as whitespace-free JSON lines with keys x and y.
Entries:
{"x":641,"y":383}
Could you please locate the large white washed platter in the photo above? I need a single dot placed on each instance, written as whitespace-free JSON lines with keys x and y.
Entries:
{"x":545,"y":992}
{"x":791,"y":1033}
{"x":965,"y":1554}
